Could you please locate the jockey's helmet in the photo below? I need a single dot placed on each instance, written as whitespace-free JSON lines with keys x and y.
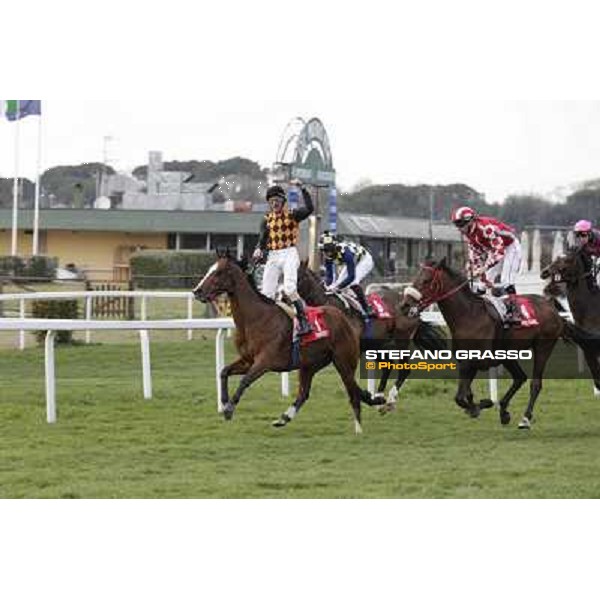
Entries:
{"x":328,"y":241}
{"x":463,"y":216}
{"x":276,"y":191}
{"x":582,"y":228}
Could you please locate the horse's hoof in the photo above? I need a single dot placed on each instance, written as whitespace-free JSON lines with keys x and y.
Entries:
{"x":525,"y":423}
{"x":486,"y":403}
{"x":228,"y":412}
{"x":473,"y":412}
{"x":388,"y":407}
{"x":282,"y":421}
{"x":377,"y":400}
{"x":504,"y":417}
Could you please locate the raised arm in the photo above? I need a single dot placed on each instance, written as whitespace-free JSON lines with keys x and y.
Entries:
{"x":303,"y":212}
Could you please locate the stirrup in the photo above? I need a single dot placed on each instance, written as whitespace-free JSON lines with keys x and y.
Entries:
{"x":304,"y":328}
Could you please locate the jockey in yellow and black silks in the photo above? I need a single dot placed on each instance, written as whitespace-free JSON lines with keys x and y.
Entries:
{"x":279,"y":233}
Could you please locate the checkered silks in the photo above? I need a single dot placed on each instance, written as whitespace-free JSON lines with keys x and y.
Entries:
{"x":283,"y":230}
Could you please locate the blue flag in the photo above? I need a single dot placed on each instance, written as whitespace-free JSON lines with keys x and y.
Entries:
{"x":19,"y":109}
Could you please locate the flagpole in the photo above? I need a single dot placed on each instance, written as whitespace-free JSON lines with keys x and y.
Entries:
{"x":36,"y":206}
{"x":15,"y":187}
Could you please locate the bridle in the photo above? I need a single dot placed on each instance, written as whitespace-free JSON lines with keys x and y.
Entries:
{"x":558,"y":277}
{"x":434,"y":291}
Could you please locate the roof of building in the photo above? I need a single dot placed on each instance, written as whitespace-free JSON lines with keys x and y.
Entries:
{"x":395,"y":227}
{"x":162,"y":221}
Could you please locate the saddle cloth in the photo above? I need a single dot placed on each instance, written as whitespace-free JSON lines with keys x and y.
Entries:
{"x":315,"y":317}
{"x":526,"y":310}
{"x":380,"y":308}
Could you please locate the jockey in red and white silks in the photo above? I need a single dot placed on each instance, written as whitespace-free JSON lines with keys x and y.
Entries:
{"x":493,"y":247}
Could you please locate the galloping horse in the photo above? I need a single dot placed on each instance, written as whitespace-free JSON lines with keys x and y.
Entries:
{"x":264,"y":335}
{"x":395,"y":332}
{"x":475,"y":326}
{"x":574,"y":275}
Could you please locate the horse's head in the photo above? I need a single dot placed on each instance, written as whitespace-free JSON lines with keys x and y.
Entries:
{"x":219,"y":279}
{"x":565,"y":271}
{"x":433,"y":282}
{"x":309,"y":284}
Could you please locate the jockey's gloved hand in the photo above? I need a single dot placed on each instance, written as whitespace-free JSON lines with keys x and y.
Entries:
{"x":296,"y":182}
{"x":257,"y":254}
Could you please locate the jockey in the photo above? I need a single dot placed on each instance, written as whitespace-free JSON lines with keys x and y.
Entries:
{"x":587,"y":237}
{"x":356,"y":262}
{"x":279,"y":233}
{"x":493,"y":250}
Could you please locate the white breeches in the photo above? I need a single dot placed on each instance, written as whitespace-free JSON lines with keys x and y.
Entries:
{"x":280,"y":262}
{"x":363,"y":267}
{"x":508,"y":267}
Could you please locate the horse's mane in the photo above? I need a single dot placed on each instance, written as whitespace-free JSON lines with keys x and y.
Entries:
{"x":243,"y":266}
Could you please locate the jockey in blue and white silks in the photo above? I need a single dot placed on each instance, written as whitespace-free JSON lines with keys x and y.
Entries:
{"x":355,"y":261}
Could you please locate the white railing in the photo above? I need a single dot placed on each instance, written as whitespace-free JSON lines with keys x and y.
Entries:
{"x":53,"y":325}
{"x":222,"y":325}
{"x":88,"y":296}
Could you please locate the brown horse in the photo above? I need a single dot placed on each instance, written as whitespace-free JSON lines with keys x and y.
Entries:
{"x":394,"y":333}
{"x":573,"y":274}
{"x":264,"y":341}
{"x":474,"y":325}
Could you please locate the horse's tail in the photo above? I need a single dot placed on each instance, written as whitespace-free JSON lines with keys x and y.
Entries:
{"x":586,"y":340}
{"x":429,"y":337}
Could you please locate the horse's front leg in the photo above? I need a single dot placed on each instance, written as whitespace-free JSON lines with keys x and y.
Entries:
{"x":239,"y":367}
{"x":254,"y":372}
{"x":464,"y":395}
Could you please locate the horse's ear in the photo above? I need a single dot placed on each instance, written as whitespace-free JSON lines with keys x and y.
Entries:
{"x":219,"y":252}
{"x":304,"y":263}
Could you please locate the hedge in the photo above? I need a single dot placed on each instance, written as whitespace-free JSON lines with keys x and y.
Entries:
{"x":156,"y":269}
{"x":38,"y":268}
{"x":55,"y":309}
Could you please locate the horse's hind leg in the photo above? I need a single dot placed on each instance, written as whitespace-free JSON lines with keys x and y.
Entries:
{"x":346,"y":366}
{"x":519,"y":378}
{"x":591,"y":358}
{"x":541,"y":354}
{"x":305,"y":381}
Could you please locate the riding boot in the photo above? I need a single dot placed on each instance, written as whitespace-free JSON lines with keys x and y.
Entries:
{"x":512,"y":316}
{"x":360,"y":295}
{"x":303,"y":324}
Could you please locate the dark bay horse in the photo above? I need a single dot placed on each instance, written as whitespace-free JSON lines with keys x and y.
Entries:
{"x":573,"y":274}
{"x":475,"y":326}
{"x":394,"y":333}
{"x":264,"y":341}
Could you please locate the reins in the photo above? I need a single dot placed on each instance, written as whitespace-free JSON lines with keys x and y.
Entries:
{"x":431,"y":296}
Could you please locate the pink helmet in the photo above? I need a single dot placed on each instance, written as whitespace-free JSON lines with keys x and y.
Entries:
{"x":583,"y":226}
{"x":463,"y":215}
